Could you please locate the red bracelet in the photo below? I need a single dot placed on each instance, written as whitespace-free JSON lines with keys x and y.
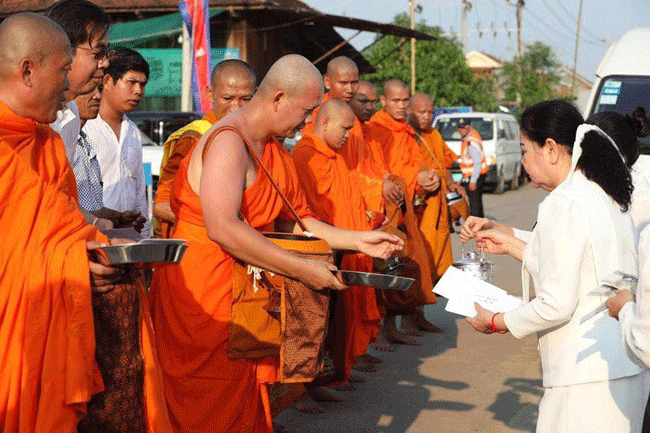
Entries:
{"x":493,"y":327}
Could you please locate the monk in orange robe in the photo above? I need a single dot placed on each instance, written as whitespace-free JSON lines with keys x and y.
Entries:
{"x":334,"y":195}
{"x":216,"y":184}
{"x":389,"y":131}
{"x":48,"y":371}
{"x":232,"y":85}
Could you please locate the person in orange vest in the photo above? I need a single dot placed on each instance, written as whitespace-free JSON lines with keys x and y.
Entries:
{"x":473,"y":166}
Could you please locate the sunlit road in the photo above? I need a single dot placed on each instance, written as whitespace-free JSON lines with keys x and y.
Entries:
{"x":458,"y":381}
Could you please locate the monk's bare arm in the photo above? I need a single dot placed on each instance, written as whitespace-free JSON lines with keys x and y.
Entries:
{"x":372,"y":243}
{"x":223,"y":180}
{"x":164,"y":212}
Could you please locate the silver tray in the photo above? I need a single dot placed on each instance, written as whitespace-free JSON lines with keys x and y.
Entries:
{"x":379,"y":281}
{"x":145,"y":251}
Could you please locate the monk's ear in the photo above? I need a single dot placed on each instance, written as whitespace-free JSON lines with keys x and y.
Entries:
{"x":382,"y":99}
{"x":208,"y":90}
{"x":277,"y":98}
{"x":27,"y":71}
{"x":327,"y":82}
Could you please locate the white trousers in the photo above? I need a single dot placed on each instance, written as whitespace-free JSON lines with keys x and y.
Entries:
{"x":614,"y":406}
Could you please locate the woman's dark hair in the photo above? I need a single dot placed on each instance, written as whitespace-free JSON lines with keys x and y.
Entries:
{"x":81,"y":20}
{"x":125,"y":60}
{"x":600,"y":161}
{"x":624,"y":130}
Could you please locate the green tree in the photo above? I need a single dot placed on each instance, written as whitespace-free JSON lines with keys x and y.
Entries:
{"x":532,"y":78}
{"x":441,"y":70}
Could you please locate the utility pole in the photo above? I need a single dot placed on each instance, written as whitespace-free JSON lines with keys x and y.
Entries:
{"x":575,"y":55}
{"x":466,"y":5}
{"x":186,"y":74}
{"x":412,"y":7}
{"x":520,"y":6}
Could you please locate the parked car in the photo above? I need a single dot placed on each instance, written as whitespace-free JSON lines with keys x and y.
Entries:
{"x":623,"y":78}
{"x":156,"y":127}
{"x":500,"y":134}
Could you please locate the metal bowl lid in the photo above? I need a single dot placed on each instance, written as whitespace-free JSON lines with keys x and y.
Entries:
{"x":472,"y":258}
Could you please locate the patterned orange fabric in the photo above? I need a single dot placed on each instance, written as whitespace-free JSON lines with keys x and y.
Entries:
{"x":206,"y":391}
{"x":334,"y":194}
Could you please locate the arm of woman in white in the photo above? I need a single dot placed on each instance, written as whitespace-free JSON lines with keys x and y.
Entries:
{"x":562,"y":246}
{"x":635,"y":316}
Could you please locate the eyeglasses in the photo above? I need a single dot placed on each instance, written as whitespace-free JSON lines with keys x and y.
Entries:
{"x":101,"y":53}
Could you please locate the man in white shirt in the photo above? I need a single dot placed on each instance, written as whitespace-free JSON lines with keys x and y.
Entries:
{"x":86,"y":25}
{"x":118,"y":139}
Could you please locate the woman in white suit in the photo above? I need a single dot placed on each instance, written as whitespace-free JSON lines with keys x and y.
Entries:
{"x":583,"y":234}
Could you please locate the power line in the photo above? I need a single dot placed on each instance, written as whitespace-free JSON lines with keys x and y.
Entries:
{"x":567,"y":26}
{"x":584,"y":29}
{"x":556,"y":30}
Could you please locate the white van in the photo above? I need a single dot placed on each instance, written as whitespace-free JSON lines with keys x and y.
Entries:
{"x":623,"y":76}
{"x":500,"y":134}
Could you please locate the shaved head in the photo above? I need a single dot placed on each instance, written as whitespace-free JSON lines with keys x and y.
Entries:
{"x":35,"y":58}
{"x":334,"y":122}
{"x":394,"y":85}
{"x":364,"y":102}
{"x":341,"y":63}
{"x":420,"y":112}
{"x":292,"y":74}
{"x":342,"y":78}
{"x":232,"y":68}
{"x":28,"y":35}
{"x":232,"y":85}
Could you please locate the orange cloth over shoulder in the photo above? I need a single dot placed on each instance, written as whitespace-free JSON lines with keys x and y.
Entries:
{"x":334,"y":195}
{"x":206,"y":391}
{"x":47,"y":342}
{"x":396,"y":139}
{"x":176,"y":148}
{"x":435,"y":220}
{"x":47,"y":370}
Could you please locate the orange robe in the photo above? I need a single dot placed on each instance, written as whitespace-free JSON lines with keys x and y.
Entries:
{"x":434,"y":223}
{"x":334,"y":195}
{"x":176,"y":148}
{"x":400,"y":151}
{"x":48,"y":370}
{"x":206,"y":391}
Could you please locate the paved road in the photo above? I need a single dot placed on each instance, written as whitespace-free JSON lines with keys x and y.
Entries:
{"x":459,"y":381}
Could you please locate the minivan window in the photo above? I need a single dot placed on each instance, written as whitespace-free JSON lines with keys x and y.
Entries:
{"x":622,"y":94}
{"x":448,"y":127}
{"x":501,"y":130}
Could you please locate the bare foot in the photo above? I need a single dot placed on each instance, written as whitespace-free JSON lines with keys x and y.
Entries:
{"x":409,"y":325}
{"x":324,"y":393}
{"x":279,"y":428}
{"x":363,"y":364}
{"x":356,"y":379}
{"x":424,"y":325}
{"x":381,"y":344}
{"x":345,"y":387}
{"x":394,"y":336}
{"x":373,"y":359}
{"x":305,"y":404}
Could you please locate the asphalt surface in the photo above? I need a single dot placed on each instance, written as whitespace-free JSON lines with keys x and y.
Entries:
{"x":459,"y":381}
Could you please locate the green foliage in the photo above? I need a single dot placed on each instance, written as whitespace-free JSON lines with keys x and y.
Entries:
{"x":440,"y":68}
{"x":531,"y":78}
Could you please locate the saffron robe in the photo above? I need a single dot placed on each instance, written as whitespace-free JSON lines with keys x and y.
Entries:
{"x":334,"y":195}
{"x":434,"y":222}
{"x":177,"y":146}
{"x":207,"y":391}
{"x":48,"y":370}
{"x":400,"y":151}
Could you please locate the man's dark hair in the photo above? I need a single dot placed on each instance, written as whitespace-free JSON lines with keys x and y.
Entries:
{"x":82,"y":20}
{"x":125,"y":60}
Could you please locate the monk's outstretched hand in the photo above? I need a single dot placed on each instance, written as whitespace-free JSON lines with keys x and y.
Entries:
{"x":379,"y":244}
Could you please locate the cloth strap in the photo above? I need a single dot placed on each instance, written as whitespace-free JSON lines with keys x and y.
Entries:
{"x":258,"y":161}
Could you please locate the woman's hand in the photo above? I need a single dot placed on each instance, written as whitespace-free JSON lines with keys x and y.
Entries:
{"x":616,"y":303}
{"x":481,"y":320}
{"x":378,"y":244}
{"x":493,"y":241}
{"x":317,"y":275}
{"x":474,"y":224}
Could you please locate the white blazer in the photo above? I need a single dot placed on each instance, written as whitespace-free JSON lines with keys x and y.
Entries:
{"x":581,"y":236}
{"x":640,"y":208}
{"x":635,"y":316}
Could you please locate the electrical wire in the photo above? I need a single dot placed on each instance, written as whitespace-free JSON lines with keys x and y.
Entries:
{"x":568,"y":26}
{"x":584,"y":29}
